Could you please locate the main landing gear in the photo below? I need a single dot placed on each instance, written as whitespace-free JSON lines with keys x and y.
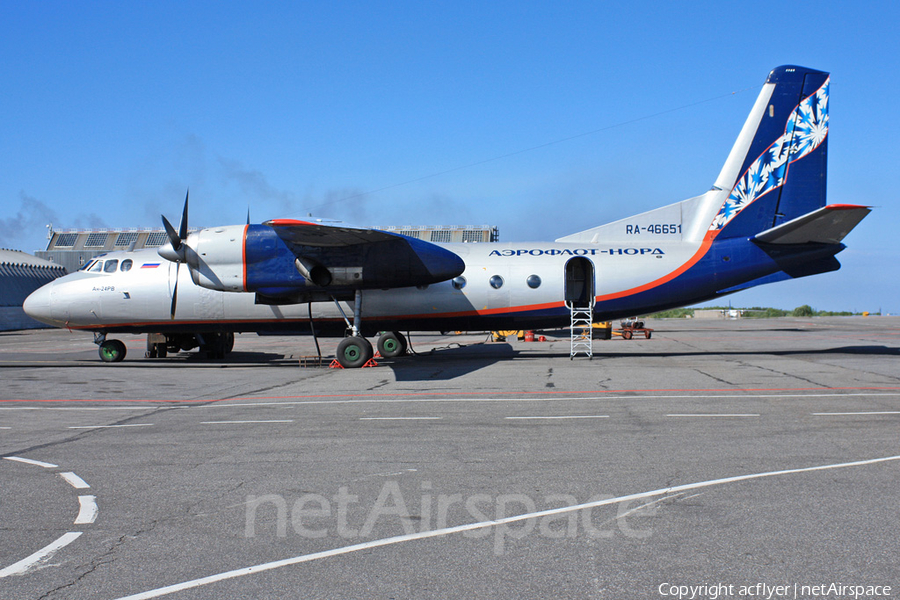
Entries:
{"x":355,"y":351}
{"x":392,"y":344}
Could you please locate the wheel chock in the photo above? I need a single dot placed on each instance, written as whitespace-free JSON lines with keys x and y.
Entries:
{"x":336,"y":365}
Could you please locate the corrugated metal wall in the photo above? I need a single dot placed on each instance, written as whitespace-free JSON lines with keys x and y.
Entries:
{"x":16,"y":282}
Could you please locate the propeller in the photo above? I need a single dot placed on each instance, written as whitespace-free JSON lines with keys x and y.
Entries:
{"x":176,"y":251}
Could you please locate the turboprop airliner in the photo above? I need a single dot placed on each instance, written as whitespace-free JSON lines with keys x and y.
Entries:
{"x":765,"y":219}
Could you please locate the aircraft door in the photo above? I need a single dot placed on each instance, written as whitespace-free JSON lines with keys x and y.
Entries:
{"x":579,"y":288}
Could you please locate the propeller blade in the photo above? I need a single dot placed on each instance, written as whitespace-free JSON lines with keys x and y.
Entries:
{"x":183,"y":230}
{"x":175,"y":292}
{"x":174,"y":238}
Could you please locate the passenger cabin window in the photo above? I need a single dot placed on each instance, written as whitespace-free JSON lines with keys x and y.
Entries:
{"x":111,"y":266}
{"x":126,"y":265}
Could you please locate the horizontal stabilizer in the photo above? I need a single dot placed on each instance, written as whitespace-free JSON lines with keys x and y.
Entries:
{"x":826,"y":225}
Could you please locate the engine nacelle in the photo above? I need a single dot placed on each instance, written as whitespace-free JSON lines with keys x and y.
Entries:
{"x":216,"y":258}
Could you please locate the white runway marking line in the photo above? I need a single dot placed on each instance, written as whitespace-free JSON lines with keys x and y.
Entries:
{"x":170,"y":589}
{"x":400,"y":418}
{"x":31,"y":462}
{"x":847,"y":414}
{"x":21,"y":567}
{"x":245,"y":422}
{"x":559,"y":417}
{"x":87,"y":512}
{"x":88,"y":408}
{"x":712,"y":415}
{"x":110,"y":426}
{"x":75,"y":481}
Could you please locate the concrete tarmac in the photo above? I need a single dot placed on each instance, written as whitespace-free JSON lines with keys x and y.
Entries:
{"x":746,"y":458}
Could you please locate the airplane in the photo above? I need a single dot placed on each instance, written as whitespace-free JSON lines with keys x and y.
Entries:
{"x":765,"y":219}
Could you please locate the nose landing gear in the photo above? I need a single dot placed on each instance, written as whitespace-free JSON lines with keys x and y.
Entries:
{"x":110,"y":350}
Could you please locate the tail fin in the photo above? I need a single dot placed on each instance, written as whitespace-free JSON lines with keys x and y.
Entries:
{"x":782,"y":152}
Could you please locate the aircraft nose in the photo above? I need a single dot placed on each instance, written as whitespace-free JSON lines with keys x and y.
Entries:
{"x":37,"y":304}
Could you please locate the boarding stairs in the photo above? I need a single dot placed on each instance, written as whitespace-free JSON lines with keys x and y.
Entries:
{"x":581,"y":328}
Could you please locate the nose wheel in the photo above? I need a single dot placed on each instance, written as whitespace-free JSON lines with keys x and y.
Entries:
{"x":112,"y":351}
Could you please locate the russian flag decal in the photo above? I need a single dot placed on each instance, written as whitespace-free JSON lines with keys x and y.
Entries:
{"x":149,"y":265}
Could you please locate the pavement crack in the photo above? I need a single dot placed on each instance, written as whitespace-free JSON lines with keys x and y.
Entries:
{"x":106,"y":558}
{"x":719,"y":379}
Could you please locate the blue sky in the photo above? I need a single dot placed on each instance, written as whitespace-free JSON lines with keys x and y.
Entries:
{"x":540,"y":118}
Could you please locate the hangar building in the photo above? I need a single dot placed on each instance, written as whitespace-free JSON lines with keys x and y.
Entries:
{"x":21,"y":274}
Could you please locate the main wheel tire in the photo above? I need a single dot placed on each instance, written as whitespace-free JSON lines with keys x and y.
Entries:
{"x":392,"y":344}
{"x":112,"y":351}
{"x":353,"y":352}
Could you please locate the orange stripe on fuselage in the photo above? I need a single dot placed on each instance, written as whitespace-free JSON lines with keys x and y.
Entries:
{"x":244,"y":255}
{"x":701,"y":252}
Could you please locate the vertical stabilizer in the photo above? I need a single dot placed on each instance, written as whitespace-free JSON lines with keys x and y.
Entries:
{"x":782,"y":172}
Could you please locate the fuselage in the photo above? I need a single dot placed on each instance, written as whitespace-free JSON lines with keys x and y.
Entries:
{"x":503,"y":286}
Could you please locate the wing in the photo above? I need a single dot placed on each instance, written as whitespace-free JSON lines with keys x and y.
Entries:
{"x":305,"y":233}
{"x":341,"y":256}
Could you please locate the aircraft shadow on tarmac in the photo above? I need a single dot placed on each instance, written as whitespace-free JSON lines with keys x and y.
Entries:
{"x":441,"y":364}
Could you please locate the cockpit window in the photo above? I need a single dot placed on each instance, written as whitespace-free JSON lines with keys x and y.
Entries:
{"x":111,"y":266}
{"x":97,"y":267}
{"x":126,"y":265}
{"x":86,"y":266}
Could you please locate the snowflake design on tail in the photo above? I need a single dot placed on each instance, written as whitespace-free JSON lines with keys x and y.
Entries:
{"x":806,"y":129}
